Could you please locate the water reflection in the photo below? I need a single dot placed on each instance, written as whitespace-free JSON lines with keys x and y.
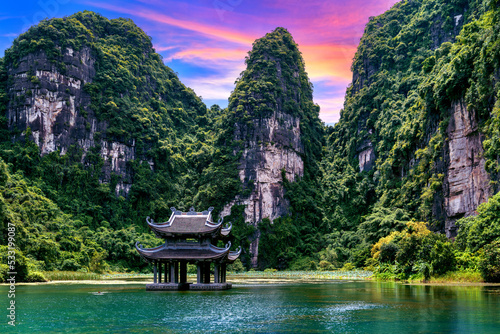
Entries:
{"x":338,"y":307}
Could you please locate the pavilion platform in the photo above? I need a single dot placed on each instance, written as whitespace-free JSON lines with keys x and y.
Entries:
{"x":167,"y":286}
{"x":188,"y":286}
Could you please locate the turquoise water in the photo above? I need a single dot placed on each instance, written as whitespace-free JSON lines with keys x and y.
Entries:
{"x":330,"y":307}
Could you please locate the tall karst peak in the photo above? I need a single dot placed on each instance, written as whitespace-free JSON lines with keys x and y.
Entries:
{"x":274,"y":118}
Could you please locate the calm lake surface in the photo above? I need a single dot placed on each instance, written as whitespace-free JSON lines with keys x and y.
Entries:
{"x":328,"y":307}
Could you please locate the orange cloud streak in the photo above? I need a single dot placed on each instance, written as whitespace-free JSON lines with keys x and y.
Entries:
{"x":328,"y":61}
{"x":211,"y":54}
{"x":203,"y":29}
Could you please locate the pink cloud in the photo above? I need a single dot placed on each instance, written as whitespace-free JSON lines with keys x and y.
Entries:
{"x":328,"y":61}
{"x":204,"y":29}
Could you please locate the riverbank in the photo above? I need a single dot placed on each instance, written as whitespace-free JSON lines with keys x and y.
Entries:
{"x":260,"y":277}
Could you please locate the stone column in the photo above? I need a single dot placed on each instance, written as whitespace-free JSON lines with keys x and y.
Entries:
{"x":159,"y":272}
{"x":167,"y":271}
{"x":183,"y":272}
{"x":172,"y":272}
{"x":176,"y":272}
{"x":206,"y":273}
{"x":154,"y":271}
{"x":199,"y":273}
{"x":216,"y":272}
{"x":223,"y":273}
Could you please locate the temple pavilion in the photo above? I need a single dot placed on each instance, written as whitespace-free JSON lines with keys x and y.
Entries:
{"x":189,"y":238}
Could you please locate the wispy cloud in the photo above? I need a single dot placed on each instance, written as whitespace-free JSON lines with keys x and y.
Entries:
{"x":204,"y":29}
{"x":216,"y":87}
{"x":330,"y":108}
{"x":209,"y":55}
{"x":12,"y":34}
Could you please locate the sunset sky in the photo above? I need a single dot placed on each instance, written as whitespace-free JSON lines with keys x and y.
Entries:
{"x":206,"y":41}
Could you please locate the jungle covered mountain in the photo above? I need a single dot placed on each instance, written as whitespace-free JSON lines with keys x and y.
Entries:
{"x":97,"y":126}
{"x":103,"y":130}
{"x":418,"y":135}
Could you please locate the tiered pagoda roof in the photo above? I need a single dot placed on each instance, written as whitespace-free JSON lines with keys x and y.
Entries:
{"x":189,"y":251}
{"x":188,"y":237}
{"x":190,"y":224}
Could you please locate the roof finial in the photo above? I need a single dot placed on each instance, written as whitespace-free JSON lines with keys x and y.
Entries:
{"x":210,"y":209}
{"x":173,"y":209}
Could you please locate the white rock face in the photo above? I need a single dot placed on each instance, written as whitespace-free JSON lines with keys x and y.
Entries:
{"x":366,"y":159}
{"x":467,"y":182}
{"x":276,"y":145}
{"x":51,"y":109}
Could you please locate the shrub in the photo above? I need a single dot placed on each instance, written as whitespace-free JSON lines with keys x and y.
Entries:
{"x":35,"y":276}
{"x":325,"y":265}
{"x":236,"y":267}
{"x":388,"y":252}
{"x":442,"y":257}
{"x":304,"y":263}
{"x":348,"y":267}
{"x":490,"y":264}
{"x":21,"y":263}
{"x":3,"y":272}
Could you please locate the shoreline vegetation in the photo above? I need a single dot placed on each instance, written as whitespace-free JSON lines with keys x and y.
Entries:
{"x":268,"y":276}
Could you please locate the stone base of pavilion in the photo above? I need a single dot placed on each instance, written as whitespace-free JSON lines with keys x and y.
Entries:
{"x":210,"y":286}
{"x":167,"y":286}
{"x":187,"y":286}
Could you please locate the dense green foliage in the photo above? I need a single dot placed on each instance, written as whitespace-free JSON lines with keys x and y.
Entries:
{"x":408,"y":71}
{"x":46,"y":238}
{"x":143,"y":102}
{"x":413,"y":63}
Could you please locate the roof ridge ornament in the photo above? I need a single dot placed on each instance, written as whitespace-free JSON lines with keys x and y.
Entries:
{"x":151,"y":222}
{"x":191,"y":211}
{"x":175,"y":211}
{"x":228,"y":245}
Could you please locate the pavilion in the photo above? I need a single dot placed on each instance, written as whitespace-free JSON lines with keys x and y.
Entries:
{"x":188,"y":239}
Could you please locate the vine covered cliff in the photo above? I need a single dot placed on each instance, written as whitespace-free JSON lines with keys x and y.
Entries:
{"x":415,"y":134}
{"x":271,"y":114}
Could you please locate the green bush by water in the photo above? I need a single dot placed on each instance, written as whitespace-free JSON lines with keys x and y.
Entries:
{"x":71,"y":276}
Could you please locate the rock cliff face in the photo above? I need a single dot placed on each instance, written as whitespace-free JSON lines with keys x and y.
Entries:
{"x":269,"y":102}
{"x":441,"y":28}
{"x":406,"y":128}
{"x":275,"y":146}
{"x":54,"y":105}
{"x":98,"y":86}
{"x":466,"y":183}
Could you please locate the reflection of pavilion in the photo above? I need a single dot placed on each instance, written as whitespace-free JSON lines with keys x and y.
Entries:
{"x":188,"y":239}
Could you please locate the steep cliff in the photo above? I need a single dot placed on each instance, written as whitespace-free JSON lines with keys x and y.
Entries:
{"x":276,"y":123}
{"x":92,"y":83}
{"x":415,"y":118}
